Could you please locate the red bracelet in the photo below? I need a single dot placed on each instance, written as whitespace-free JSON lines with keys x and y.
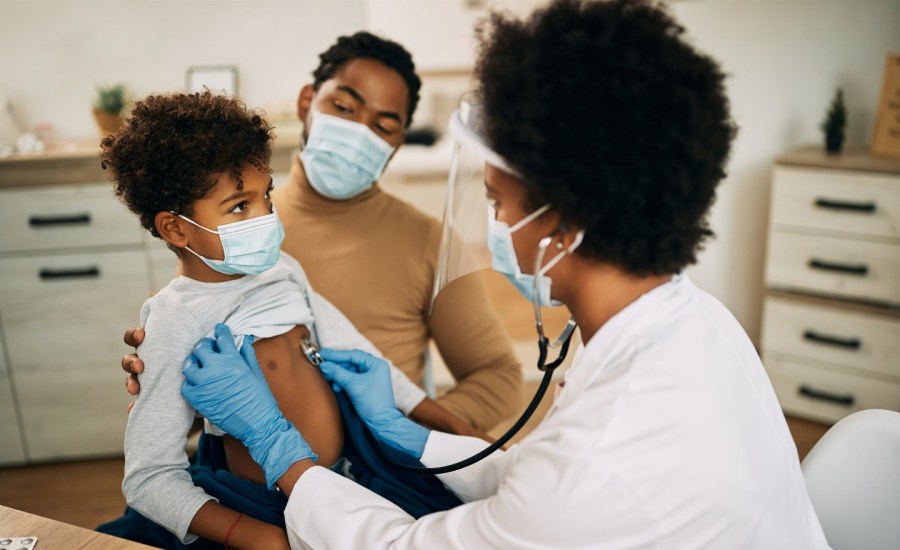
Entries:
{"x":230,"y":529}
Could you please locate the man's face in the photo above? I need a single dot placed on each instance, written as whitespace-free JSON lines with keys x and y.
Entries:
{"x":364,"y":91}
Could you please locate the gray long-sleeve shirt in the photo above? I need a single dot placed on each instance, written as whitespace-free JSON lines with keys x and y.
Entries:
{"x":156,"y":481}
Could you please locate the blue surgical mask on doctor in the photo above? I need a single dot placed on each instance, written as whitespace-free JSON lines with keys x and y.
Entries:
{"x":251,"y":246}
{"x":343,"y":158}
{"x":504,"y":260}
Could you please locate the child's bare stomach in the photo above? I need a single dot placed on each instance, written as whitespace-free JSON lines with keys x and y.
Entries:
{"x":303,"y":396}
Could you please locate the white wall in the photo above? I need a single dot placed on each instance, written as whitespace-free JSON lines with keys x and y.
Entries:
{"x":53,"y":52}
{"x":785,"y":59}
{"x":440,"y":33}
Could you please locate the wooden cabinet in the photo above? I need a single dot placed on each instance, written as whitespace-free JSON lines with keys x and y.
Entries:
{"x":75,"y":267}
{"x":11,"y":449}
{"x":74,"y":270}
{"x":65,"y":216}
{"x":831,"y":319}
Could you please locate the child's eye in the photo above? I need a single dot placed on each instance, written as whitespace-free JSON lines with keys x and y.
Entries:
{"x":341,"y":108}
{"x":239,"y":207}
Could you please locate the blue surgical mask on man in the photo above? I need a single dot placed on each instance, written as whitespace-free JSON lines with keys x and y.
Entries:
{"x":343,"y":158}
{"x":504,"y":260}
{"x":251,"y":246}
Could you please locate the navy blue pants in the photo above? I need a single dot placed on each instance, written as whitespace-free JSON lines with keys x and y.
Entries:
{"x":416,"y":494}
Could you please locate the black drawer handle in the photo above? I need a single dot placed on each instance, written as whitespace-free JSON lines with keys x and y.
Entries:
{"x":861,"y":269}
{"x":864,"y":207}
{"x":65,"y":219}
{"x":47,"y":273}
{"x":849,"y":343}
{"x":847,"y":399}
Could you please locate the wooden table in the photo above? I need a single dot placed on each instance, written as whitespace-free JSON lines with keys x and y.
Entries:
{"x":54,"y":535}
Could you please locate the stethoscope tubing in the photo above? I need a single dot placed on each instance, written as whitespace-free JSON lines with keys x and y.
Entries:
{"x":543,"y":344}
{"x":512,"y":431}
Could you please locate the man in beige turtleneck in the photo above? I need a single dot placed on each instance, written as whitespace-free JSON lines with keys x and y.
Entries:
{"x":373,"y":255}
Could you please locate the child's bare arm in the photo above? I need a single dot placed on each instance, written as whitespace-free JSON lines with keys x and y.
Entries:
{"x":431,"y":414}
{"x":214,"y":522}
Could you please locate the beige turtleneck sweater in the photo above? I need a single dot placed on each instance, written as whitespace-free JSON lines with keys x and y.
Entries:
{"x":374,"y":257}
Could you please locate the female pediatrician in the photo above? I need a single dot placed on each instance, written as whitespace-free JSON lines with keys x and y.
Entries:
{"x":608,"y":134}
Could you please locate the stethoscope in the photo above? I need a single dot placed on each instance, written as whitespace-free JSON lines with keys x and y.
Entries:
{"x":544,"y":345}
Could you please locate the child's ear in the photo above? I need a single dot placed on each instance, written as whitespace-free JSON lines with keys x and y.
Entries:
{"x":168,"y":226}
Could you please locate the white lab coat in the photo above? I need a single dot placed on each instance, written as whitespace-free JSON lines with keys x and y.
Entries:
{"x":666,"y":434}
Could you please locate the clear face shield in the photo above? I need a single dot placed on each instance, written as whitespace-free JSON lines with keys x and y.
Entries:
{"x":464,"y":249}
{"x":465,"y":253}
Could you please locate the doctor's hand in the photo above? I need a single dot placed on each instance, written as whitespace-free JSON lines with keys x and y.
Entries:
{"x":366,"y":380}
{"x":227,"y":387}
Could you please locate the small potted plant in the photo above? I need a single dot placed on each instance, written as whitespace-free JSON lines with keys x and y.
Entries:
{"x":109,"y":108}
{"x":835,"y":124}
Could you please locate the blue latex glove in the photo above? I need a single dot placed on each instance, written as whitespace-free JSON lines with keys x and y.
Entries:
{"x":367,"y":381}
{"x":228,"y":388}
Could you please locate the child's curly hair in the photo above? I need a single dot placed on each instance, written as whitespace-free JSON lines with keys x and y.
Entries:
{"x":173,"y":148}
{"x":616,"y":119}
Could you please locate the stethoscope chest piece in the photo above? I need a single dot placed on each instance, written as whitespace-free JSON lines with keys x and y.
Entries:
{"x":311,"y":352}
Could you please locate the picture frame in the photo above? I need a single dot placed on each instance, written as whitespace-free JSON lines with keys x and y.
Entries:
{"x":886,"y":137}
{"x":217,"y":78}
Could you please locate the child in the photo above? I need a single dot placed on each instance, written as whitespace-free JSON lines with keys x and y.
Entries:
{"x":194,"y":168}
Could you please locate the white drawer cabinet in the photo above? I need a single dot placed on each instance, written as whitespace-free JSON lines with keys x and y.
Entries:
{"x":11,"y":449}
{"x":834,"y":266}
{"x":64,"y":217}
{"x":75,"y":267}
{"x":836,"y":201}
{"x":63,"y":317}
{"x":831,"y":319}
{"x":827,"y":395}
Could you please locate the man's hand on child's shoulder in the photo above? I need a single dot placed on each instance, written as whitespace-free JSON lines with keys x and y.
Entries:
{"x":131,"y":363}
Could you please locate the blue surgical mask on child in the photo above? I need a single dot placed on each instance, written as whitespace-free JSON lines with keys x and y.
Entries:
{"x":251,"y":246}
{"x":504,"y":260}
{"x":343,"y":158}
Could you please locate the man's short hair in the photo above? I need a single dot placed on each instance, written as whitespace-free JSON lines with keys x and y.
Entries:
{"x":365,"y":45}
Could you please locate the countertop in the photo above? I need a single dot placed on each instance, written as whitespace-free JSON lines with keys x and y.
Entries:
{"x":78,"y":162}
{"x":814,"y":156}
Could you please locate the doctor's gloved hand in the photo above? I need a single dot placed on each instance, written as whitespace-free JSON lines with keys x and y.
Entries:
{"x":366,"y":380}
{"x":227,"y":387}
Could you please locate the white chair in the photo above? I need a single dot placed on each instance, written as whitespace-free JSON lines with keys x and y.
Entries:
{"x":853,"y":478}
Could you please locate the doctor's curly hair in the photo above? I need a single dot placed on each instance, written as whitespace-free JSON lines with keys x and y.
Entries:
{"x":173,"y":148}
{"x":616,"y":120}
{"x":365,"y":45}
